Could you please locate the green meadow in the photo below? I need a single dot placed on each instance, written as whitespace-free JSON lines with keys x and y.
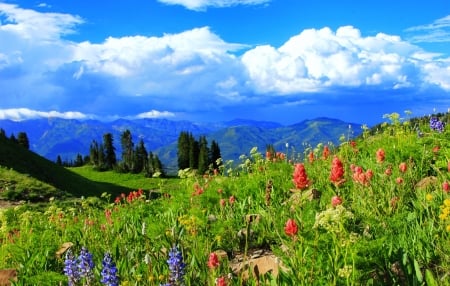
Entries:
{"x":373,"y":210}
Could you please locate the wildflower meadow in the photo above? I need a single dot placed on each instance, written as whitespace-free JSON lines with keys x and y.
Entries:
{"x":373,"y":210}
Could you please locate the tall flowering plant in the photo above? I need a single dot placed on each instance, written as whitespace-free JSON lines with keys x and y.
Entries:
{"x":300,"y":178}
{"x":337,"y":172}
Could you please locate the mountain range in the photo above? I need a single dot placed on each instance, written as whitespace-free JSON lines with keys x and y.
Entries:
{"x":50,"y":137}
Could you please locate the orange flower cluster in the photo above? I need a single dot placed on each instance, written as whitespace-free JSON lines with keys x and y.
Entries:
{"x":300,"y":178}
{"x":380,"y":155}
{"x":130,"y":197}
{"x":361,"y":177}
{"x":278,"y":156}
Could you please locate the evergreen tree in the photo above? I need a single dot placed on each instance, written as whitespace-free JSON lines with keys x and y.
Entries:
{"x":59,"y":161}
{"x":93,"y":151}
{"x":22,"y":140}
{"x":158,"y":167}
{"x":183,"y":150}
{"x":194,"y":150}
{"x":203,"y":155}
{"x":140,"y":157}
{"x":3,"y":134}
{"x":13,"y":138}
{"x":78,"y":161}
{"x":101,"y":158}
{"x":110,"y":151}
{"x":149,"y":169}
{"x":127,"y":150}
{"x":215,"y":154}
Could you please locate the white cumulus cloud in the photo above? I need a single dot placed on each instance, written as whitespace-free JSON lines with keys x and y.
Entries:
{"x":19,"y":114}
{"x":200,"y":5}
{"x":155,"y":114}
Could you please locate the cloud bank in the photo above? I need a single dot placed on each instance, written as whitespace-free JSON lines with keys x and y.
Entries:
{"x":196,"y":71}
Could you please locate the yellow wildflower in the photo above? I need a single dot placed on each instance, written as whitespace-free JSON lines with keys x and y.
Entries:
{"x":429,"y":197}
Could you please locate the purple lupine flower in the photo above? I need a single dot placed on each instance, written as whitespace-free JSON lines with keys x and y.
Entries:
{"x":71,"y":268}
{"x":436,"y":124}
{"x":86,"y":265}
{"x":109,"y":271}
{"x":176,"y":267}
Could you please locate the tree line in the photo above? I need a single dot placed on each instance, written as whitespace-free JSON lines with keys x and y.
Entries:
{"x":135,"y":159}
{"x":21,"y":139}
{"x":196,"y":155}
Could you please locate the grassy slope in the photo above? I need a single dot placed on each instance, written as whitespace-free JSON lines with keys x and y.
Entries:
{"x":34,"y":170}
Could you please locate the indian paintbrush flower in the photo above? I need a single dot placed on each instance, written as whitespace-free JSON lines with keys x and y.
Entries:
{"x":380,"y":155}
{"x":336,"y":200}
{"x":291,"y":227}
{"x":109,"y":271}
{"x":337,"y":172}
{"x":213,"y":260}
{"x":300,"y":179}
{"x":403,"y":167}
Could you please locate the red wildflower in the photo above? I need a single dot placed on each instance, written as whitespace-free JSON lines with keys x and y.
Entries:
{"x":394,"y":202}
{"x":311,"y":157}
{"x":221,"y":281}
{"x":446,"y":186}
{"x":213,"y":260}
{"x":232,"y":200}
{"x":117,"y":200}
{"x":291,"y":227}
{"x":380,"y":155}
{"x":388,"y":171}
{"x":353,"y":144}
{"x":222,"y":202}
{"x":436,"y":149}
{"x":336,"y":200}
{"x":337,"y":171}
{"x":220,"y":191}
{"x":326,"y":152}
{"x":300,"y":179}
{"x":268,"y":155}
{"x":399,"y":180}
{"x":403,"y":167}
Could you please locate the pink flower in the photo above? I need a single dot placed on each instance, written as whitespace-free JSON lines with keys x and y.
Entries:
{"x":403,"y":167}
{"x":336,"y":200}
{"x":388,"y":171}
{"x":300,"y":179}
{"x":291,"y":227}
{"x":380,"y":155}
{"x":232,"y":200}
{"x":446,"y":187}
{"x":213,"y":261}
{"x":399,"y":180}
{"x":223,"y":202}
{"x":221,"y":281}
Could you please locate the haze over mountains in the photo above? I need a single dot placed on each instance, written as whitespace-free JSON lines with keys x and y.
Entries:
{"x":51,"y":137}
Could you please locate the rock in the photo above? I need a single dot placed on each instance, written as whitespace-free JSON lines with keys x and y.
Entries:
{"x":7,"y":275}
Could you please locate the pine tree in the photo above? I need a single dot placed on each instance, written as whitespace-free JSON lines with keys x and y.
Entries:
{"x":110,"y":151}
{"x":203,"y":155}
{"x":183,"y":150}
{"x":3,"y":134}
{"x":215,"y":154}
{"x":93,"y":153}
{"x":140,"y":157}
{"x":149,"y":169}
{"x":22,"y":140}
{"x":59,"y":161}
{"x":127,"y":150}
{"x":78,"y":161}
{"x":194,"y":150}
{"x":13,"y":139}
{"x":101,"y":158}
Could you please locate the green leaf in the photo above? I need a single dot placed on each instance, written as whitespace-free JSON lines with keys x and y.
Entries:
{"x":418,"y":271}
{"x":429,"y":278}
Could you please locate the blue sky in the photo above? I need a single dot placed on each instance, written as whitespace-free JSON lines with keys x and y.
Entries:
{"x":215,"y":60}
